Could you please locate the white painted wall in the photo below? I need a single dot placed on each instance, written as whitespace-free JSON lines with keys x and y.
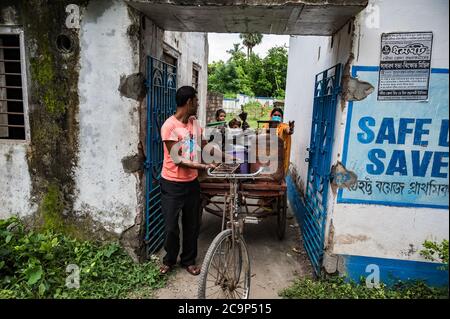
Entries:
{"x":231,"y":106}
{"x":368,"y":230}
{"x":109,"y":123}
{"x":194,"y":49}
{"x":393,"y":232}
{"x":15,"y":182}
{"x":304,"y":63}
{"x":403,"y":16}
{"x":234,"y":105}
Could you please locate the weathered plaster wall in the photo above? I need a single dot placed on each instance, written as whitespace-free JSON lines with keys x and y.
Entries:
{"x":384,"y":231}
{"x":309,"y":56}
{"x":109,"y":123}
{"x":15,"y":181}
{"x":80,"y":171}
{"x":194,"y":49}
{"x":416,"y":15}
{"x":38,"y":176}
{"x":361,"y":229}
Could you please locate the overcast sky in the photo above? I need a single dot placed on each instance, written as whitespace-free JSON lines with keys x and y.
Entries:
{"x":219,"y":43}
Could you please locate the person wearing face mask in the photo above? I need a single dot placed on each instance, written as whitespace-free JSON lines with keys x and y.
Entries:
{"x":284,"y":131}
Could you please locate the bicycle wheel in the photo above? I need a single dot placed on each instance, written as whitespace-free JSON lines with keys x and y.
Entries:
{"x":225,"y":271}
{"x":281,"y":216}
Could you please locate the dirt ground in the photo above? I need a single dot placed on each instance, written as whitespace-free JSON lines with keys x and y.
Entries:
{"x":274,"y":263}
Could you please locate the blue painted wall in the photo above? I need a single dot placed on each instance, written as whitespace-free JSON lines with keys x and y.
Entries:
{"x":393,"y":270}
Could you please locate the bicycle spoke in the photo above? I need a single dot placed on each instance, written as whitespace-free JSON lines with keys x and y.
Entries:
{"x":243,"y":291}
{"x":218,"y":292}
{"x":227,"y":273}
{"x":238,"y":295}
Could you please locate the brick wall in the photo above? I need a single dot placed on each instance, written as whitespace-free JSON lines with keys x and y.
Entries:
{"x":214,"y":102}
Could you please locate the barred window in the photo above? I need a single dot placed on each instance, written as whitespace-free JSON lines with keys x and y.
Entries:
{"x":169,"y":59}
{"x":195,"y":75}
{"x":12,"y":109}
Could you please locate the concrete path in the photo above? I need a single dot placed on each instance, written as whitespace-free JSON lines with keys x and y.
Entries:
{"x":274,"y":263}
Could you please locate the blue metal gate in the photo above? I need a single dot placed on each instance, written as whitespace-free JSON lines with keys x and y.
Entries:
{"x":161,"y":89}
{"x":326,"y":92}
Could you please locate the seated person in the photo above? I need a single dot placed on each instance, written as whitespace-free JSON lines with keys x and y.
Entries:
{"x":217,"y":130}
{"x":234,"y":123}
{"x":221,"y":115}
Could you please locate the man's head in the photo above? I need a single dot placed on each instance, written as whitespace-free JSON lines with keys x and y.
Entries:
{"x":186,"y":97}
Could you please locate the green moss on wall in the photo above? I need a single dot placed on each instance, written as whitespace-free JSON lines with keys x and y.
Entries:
{"x":49,"y":92}
{"x":51,"y":209}
{"x":53,"y":111}
{"x":51,"y":217}
{"x":54,"y":104}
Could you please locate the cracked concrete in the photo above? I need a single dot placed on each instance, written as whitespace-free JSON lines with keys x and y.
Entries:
{"x":313,"y":17}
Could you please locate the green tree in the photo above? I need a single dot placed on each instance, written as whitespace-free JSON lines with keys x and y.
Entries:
{"x":223,"y":77}
{"x":252,"y":76}
{"x":250,"y":40}
{"x":236,"y":52}
{"x":256,"y":72}
{"x":275,"y":66}
{"x":435,"y":251}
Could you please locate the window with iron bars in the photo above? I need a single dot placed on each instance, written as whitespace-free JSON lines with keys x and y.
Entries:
{"x":12,"y":101}
{"x":195,"y":75}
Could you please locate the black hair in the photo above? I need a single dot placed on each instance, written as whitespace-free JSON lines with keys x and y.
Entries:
{"x":185,"y":93}
{"x":277,"y":109}
{"x":234,"y":122}
{"x":220,"y":111}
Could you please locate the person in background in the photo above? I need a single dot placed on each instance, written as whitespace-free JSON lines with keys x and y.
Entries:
{"x":234,"y":123}
{"x":221,"y":115}
{"x":284,"y":131}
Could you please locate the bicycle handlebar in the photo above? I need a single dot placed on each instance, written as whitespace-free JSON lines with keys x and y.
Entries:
{"x":234,"y":175}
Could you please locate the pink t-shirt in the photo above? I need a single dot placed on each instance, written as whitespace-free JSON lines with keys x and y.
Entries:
{"x":184,"y":135}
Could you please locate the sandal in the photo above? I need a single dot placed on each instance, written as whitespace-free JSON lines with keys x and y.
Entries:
{"x":192,"y":269}
{"x":164,"y":269}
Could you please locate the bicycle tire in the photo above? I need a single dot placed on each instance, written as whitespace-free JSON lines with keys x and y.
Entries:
{"x":243,"y":267}
{"x":281,"y":216}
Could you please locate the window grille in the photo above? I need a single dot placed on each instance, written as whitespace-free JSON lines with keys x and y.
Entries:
{"x":195,"y":78}
{"x":12,"y":110}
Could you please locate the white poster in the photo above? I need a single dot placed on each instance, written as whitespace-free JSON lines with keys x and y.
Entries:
{"x":405,"y":66}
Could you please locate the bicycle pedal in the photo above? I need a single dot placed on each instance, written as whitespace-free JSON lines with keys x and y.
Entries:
{"x":251,"y":220}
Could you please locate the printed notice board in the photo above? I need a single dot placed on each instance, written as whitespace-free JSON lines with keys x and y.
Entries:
{"x":405,"y":66}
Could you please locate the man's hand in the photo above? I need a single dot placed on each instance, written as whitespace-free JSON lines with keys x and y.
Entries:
{"x":211,"y":165}
{"x":291,"y":127}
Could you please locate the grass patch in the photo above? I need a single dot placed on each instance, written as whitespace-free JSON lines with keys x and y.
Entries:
{"x":34,"y":264}
{"x":338,"y":288}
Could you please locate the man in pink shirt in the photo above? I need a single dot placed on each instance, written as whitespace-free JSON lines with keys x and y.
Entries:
{"x":180,"y":189}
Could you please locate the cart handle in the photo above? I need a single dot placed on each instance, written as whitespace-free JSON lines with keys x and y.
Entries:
{"x":233,"y":175}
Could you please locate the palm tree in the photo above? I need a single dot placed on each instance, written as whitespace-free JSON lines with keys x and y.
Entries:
{"x":250,"y":40}
{"x":236,"y":48}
